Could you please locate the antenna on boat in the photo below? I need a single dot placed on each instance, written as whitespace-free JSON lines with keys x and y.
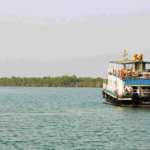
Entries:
{"x":125,"y":55}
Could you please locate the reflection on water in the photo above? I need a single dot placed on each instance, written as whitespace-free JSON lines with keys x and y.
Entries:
{"x":68,"y":119}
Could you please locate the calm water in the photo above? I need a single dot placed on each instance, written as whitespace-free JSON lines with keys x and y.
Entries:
{"x":69,"y":119}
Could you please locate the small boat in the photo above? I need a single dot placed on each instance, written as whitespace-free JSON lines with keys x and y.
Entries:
{"x":128,"y":82}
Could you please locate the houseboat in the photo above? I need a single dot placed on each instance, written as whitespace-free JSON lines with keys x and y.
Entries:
{"x":128,"y":82}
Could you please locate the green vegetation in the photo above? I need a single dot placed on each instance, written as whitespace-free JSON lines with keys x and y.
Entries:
{"x":63,"y":81}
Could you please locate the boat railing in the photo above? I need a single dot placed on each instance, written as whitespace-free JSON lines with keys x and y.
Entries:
{"x":124,"y":73}
{"x":145,"y":93}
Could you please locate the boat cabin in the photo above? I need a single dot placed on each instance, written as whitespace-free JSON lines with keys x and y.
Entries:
{"x":136,"y":68}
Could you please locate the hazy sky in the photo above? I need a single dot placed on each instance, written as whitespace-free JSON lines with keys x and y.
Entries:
{"x":57,"y":37}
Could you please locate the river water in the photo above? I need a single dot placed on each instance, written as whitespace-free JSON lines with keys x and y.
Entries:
{"x":69,"y":119}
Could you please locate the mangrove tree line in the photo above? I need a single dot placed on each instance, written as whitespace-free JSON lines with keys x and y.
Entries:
{"x":62,"y":81}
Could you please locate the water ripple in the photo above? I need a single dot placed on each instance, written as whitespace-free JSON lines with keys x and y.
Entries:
{"x":68,"y":119}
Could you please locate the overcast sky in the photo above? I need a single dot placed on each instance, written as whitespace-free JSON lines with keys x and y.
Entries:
{"x":57,"y":37}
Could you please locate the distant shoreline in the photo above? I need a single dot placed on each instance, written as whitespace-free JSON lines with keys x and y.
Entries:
{"x":61,"y":81}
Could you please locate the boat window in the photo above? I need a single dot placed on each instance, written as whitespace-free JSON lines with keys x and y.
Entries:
{"x":147,"y":67}
{"x":129,"y":66}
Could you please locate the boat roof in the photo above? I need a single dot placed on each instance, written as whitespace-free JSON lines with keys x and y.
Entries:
{"x":128,"y":62}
